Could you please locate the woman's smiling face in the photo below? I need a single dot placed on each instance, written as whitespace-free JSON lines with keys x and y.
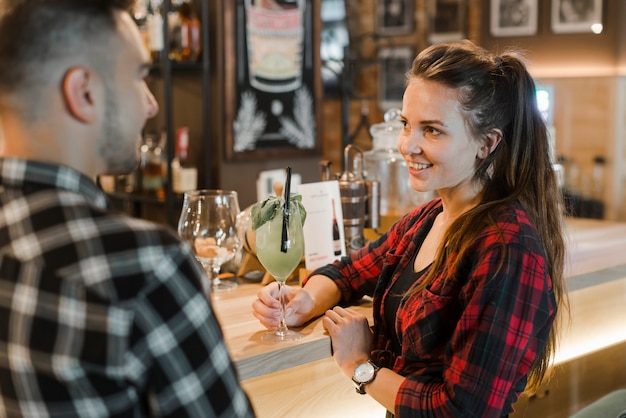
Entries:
{"x":436,"y":143}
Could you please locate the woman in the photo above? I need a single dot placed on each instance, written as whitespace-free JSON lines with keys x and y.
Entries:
{"x":465,"y":287}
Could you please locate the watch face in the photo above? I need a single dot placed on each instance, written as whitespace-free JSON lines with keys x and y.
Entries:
{"x":364,"y":372}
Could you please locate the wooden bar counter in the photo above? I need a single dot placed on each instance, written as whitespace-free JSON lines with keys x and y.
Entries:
{"x":300,"y":378}
{"x":255,"y":357}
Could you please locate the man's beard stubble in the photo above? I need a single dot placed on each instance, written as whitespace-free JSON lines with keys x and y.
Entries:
{"x":113,"y":146}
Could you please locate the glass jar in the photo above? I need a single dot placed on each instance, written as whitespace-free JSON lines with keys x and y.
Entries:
{"x":385,"y":164}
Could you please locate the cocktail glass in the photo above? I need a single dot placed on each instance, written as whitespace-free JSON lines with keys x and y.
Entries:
{"x":280,"y":257}
{"x":210,"y":222}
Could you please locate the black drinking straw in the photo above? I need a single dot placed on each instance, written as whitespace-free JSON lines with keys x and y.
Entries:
{"x":285,"y":237}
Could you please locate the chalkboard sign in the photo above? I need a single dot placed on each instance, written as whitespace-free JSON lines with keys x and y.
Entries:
{"x":273,"y":80}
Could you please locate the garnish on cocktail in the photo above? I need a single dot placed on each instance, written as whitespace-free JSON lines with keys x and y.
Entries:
{"x":267,"y":209}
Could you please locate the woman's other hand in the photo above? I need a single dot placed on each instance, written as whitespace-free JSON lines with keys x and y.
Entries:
{"x":351,"y":337}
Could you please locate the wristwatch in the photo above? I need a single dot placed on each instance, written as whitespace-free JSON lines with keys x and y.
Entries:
{"x":364,"y":373}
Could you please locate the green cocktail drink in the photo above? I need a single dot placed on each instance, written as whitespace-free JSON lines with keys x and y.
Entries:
{"x":279,"y":247}
{"x":268,"y":246}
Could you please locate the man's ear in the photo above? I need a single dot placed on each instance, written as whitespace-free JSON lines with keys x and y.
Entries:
{"x":491,"y":142}
{"x":78,"y":94}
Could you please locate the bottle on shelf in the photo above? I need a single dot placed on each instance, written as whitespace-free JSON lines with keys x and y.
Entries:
{"x":154,"y":28}
{"x":127,"y":183}
{"x":140,"y":15}
{"x":184,"y":174}
{"x":173,"y":26}
{"x":185,"y":30}
{"x":571,"y":190}
{"x":140,"y":10}
{"x":107,"y":183}
{"x":597,"y":192}
{"x":152,"y":167}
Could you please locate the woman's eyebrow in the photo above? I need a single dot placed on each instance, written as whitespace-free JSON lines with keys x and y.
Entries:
{"x":432,"y":122}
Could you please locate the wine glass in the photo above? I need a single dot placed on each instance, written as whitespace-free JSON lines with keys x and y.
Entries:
{"x":280,"y":255}
{"x":209,"y":222}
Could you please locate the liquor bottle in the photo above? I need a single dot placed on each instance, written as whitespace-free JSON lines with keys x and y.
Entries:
{"x":140,"y":10}
{"x":140,"y":16}
{"x":152,"y":167}
{"x":336,"y":235}
{"x":154,"y":27}
{"x":173,"y":28}
{"x":184,"y":174}
{"x":186,"y":34}
{"x":597,"y":194}
{"x":107,"y":183}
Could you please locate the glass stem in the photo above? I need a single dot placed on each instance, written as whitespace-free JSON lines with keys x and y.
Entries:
{"x":215,"y":272}
{"x":282,"y":323}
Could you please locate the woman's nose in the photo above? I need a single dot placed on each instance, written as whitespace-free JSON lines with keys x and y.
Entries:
{"x":409,"y":144}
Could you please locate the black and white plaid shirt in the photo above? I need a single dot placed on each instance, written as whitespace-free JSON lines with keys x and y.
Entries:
{"x":101,"y":315}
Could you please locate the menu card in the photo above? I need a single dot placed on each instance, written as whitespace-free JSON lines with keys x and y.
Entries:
{"x":323,"y":228}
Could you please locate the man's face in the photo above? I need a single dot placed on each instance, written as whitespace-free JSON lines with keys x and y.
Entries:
{"x":128,"y":101}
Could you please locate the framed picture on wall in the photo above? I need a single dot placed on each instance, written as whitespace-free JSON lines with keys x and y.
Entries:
{"x":569,"y":16}
{"x":394,"y":17}
{"x":393,"y":64}
{"x":447,"y":21}
{"x":513,"y":17}
{"x":272,"y":88}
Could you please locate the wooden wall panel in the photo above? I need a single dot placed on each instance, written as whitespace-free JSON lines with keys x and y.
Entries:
{"x":586,"y":122}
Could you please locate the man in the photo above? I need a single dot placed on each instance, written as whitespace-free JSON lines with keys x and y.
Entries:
{"x":101,"y":315}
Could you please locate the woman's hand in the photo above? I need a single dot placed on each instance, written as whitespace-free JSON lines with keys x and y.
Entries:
{"x":351,"y":337}
{"x":298,"y":306}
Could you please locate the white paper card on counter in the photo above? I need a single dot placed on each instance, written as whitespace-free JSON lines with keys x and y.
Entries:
{"x":322,"y":244}
{"x":266,"y":179}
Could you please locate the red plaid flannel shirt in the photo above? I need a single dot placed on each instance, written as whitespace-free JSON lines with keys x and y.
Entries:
{"x":470,"y":338}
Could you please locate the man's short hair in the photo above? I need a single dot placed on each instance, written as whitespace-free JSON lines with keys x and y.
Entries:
{"x":35,"y":34}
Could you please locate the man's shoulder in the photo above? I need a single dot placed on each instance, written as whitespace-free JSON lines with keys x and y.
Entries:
{"x":120,"y":234}
{"x":112,"y":226}
{"x":136,"y":256}
{"x":66,"y":236}
{"x":152,"y":231}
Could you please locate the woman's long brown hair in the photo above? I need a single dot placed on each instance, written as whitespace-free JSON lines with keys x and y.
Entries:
{"x":497,"y":92}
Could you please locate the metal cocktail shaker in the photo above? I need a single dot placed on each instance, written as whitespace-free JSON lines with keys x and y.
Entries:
{"x":353,"y":199}
{"x":360,"y":200}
